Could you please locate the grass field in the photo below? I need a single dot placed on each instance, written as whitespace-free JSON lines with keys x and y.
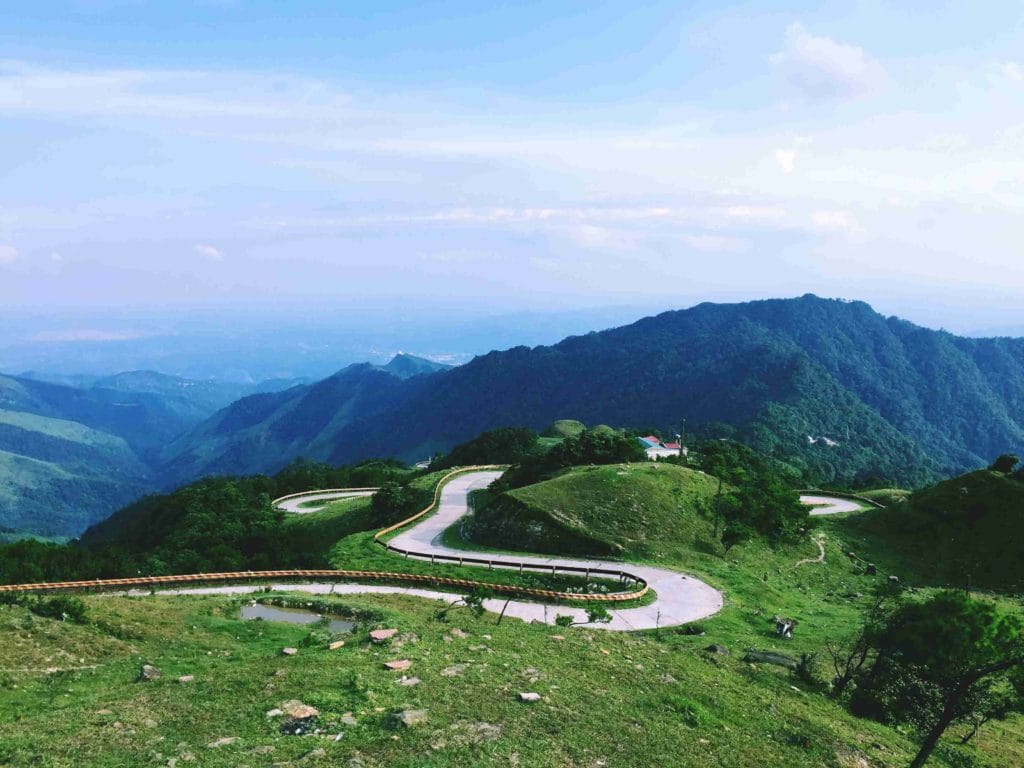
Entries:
{"x":608,"y":699}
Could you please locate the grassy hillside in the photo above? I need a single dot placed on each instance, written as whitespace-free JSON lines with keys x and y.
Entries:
{"x":967,"y":528}
{"x":630,"y":509}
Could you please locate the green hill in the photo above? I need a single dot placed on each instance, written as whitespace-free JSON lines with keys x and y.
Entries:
{"x":969,"y":529}
{"x":628,"y":509}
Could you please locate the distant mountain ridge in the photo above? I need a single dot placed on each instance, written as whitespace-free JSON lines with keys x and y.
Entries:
{"x":829,"y":386}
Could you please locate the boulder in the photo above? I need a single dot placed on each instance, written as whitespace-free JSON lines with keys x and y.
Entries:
{"x":223,"y":741}
{"x":382,"y":635}
{"x":770,"y":657}
{"x":529,"y":696}
{"x":717,"y":649}
{"x":335,"y":645}
{"x":187,"y":679}
{"x":295,"y":708}
{"x":398,"y":665}
{"x":407,"y":718}
{"x":408,"y":682}
{"x":289,"y":651}
{"x":149,"y":673}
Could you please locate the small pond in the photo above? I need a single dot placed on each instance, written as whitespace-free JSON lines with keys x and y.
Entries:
{"x":292,"y":616}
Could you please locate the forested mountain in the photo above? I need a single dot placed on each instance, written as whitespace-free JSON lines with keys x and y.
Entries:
{"x":830,"y":386}
{"x":263,"y":433}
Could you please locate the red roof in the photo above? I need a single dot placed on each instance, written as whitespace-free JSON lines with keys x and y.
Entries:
{"x":652,"y":438}
{"x":672,"y":446}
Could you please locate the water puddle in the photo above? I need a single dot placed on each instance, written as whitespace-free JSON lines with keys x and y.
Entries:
{"x":292,"y":616}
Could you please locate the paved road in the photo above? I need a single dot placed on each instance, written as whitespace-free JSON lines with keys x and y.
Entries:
{"x":292,"y":505}
{"x":830,"y":505}
{"x":680,"y":598}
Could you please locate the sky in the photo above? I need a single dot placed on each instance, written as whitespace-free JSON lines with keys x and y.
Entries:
{"x":528,"y":156}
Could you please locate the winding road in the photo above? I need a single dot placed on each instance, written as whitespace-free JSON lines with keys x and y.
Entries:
{"x":679,"y":599}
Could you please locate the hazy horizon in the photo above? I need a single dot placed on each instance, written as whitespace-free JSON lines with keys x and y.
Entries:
{"x":242,"y":154}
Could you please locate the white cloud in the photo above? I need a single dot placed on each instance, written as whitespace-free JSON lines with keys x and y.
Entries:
{"x":8,"y":254}
{"x":1014,"y":71}
{"x":823,"y":68}
{"x":210,"y":252}
{"x":842,"y":221}
{"x":785,"y":158}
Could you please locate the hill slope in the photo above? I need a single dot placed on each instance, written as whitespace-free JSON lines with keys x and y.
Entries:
{"x":614,"y":509}
{"x":263,"y":433}
{"x":966,"y":530}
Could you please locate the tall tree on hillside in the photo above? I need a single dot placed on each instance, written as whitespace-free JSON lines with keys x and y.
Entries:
{"x":942,"y":661}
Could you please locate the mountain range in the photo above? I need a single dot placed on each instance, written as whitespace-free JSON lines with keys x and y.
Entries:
{"x":843,"y":394}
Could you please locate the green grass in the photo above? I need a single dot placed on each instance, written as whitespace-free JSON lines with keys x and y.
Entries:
{"x":966,"y":527}
{"x":890,"y":497}
{"x":610,"y":699}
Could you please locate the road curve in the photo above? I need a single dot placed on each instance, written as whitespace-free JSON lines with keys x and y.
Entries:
{"x":679,"y":599}
{"x":829,"y":505}
{"x":293,"y":503}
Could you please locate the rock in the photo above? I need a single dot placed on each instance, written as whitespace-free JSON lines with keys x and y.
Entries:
{"x":398,"y":665}
{"x":408,"y":682}
{"x":770,"y":657}
{"x":187,"y":679}
{"x":668,"y":679}
{"x":264,"y":749}
{"x":456,"y":632}
{"x":148,"y":673}
{"x":295,"y":708}
{"x":717,"y":649}
{"x":289,"y":651}
{"x":315,"y":754}
{"x":894,"y":579}
{"x":150,"y":722}
{"x":455,"y":670}
{"x":476,"y":648}
{"x":223,"y":741}
{"x":558,"y":637}
{"x":348,"y":719}
{"x":335,"y":645}
{"x":274,"y":712}
{"x":104,"y":712}
{"x":408,"y":718}
{"x":529,"y":696}
{"x":382,"y":635}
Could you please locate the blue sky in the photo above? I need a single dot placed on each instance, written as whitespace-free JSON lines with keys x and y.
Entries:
{"x":528,"y":156}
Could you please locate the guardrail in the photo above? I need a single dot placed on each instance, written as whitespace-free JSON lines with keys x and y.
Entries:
{"x":509,"y":589}
{"x":278,"y":500}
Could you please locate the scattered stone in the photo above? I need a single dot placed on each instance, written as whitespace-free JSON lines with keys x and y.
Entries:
{"x":408,"y":718}
{"x":149,"y":673}
{"x":455,"y":670}
{"x":295,"y":708}
{"x":315,"y":754}
{"x":335,"y":645}
{"x":104,"y":712}
{"x":264,"y":749}
{"x":150,"y":722}
{"x":456,"y":632}
{"x":275,"y":712}
{"x":718,"y":650}
{"x":348,"y":719}
{"x":475,"y":648}
{"x":223,"y":741}
{"x":379,"y":636}
{"x":529,"y":696}
{"x":187,"y":679}
{"x":770,"y":657}
{"x":399,"y":665}
{"x":289,"y":651}
{"x":894,"y":579}
{"x":668,"y":679}
{"x":558,"y":637}
{"x":408,"y":682}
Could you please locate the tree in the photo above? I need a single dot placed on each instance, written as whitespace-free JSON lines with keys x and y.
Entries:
{"x":596,"y":614}
{"x":735,"y":532}
{"x":939,"y":662}
{"x":1005,"y":463}
{"x":850,"y":656}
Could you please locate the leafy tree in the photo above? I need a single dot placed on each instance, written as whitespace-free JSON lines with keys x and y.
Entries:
{"x":1005,"y":463}
{"x":851,"y":655}
{"x":506,"y":445}
{"x":940,"y":662}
